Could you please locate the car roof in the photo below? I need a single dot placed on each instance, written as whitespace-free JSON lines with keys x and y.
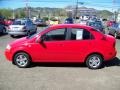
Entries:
{"x":71,"y":25}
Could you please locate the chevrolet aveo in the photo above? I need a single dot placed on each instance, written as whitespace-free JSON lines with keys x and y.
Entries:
{"x":63,"y":43}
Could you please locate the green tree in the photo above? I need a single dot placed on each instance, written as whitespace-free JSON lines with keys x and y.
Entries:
{"x":105,"y":14}
{"x":7,"y":13}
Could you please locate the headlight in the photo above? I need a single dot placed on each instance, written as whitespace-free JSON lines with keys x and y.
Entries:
{"x":8,"y":47}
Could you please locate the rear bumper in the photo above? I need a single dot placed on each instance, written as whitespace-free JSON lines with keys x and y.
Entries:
{"x":17,"y":33}
{"x":111,"y":55}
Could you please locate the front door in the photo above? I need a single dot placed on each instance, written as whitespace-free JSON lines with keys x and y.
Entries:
{"x":54,"y":47}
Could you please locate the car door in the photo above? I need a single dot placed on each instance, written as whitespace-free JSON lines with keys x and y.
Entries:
{"x":53,"y":47}
{"x":80,"y":44}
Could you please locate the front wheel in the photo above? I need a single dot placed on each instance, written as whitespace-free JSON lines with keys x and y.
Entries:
{"x":22,"y":60}
{"x":94,"y":61}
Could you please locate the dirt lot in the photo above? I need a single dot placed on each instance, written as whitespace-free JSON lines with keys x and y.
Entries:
{"x":58,"y":76}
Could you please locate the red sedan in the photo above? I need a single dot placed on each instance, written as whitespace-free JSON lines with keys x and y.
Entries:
{"x":63,"y":43}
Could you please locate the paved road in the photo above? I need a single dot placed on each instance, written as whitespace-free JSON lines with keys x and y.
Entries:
{"x":57,"y":77}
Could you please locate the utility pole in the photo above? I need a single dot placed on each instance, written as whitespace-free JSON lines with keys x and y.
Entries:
{"x":114,"y":14}
{"x":27,"y":9}
{"x":76,"y":9}
{"x":13,"y":14}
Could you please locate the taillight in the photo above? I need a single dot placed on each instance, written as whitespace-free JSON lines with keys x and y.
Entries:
{"x":114,"y":43}
{"x":103,"y":38}
{"x":24,"y":27}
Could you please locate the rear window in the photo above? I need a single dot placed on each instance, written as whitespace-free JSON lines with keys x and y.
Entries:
{"x":19,"y":23}
{"x":39,"y":20}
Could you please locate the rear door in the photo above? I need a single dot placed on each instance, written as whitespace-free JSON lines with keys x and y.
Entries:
{"x":80,"y":44}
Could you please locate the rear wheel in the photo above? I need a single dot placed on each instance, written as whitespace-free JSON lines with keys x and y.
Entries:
{"x":115,"y":35}
{"x":12,"y":36}
{"x":94,"y":61}
{"x":28,"y":33}
{"x":35,"y":30}
{"x":22,"y":60}
{"x":4,"y":31}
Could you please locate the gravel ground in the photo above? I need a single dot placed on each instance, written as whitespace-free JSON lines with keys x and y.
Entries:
{"x":57,"y":76}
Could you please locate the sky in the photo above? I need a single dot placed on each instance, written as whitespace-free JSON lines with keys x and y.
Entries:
{"x":97,"y":4}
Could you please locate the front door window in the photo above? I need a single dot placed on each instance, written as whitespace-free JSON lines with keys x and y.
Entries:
{"x":56,"y":35}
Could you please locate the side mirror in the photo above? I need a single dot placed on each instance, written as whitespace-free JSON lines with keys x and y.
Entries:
{"x":40,"y":39}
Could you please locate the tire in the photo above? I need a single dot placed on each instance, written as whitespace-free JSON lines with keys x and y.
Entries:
{"x":94,"y":61}
{"x":115,"y":35}
{"x":4,"y":31}
{"x":12,"y":36}
{"x":35,"y":30}
{"x":22,"y":60}
{"x":28,"y":33}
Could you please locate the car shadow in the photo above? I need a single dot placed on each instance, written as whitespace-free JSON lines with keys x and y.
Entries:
{"x":113,"y":62}
{"x":49,"y":64}
{"x":3,"y":34}
{"x":16,"y":37}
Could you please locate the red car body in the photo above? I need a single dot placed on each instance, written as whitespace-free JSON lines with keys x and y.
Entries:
{"x":63,"y":50}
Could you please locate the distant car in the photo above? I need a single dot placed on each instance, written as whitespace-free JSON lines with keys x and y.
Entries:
{"x":2,"y":20}
{"x":114,"y":30}
{"x":2,"y":29}
{"x":22,"y":27}
{"x":9,"y":22}
{"x":83,"y":22}
{"x":40,"y":22}
{"x":54,"y":22}
{"x":63,"y":43}
{"x":69,"y":21}
{"x":97,"y":25}
{"x":110,"y":23}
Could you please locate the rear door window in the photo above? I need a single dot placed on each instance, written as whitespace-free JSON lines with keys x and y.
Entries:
{"x":80,"y":34}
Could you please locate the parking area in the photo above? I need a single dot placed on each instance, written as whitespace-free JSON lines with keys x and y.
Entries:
{"x":52,"y":76}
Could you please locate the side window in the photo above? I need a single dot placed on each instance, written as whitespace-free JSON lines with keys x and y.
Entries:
{"x":80,"y":34}
{"x":76,"y":34}
{"x":55,"y":35}
{"x":86,"y":35}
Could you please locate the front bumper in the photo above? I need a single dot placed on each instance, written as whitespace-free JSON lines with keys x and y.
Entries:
{"x":8,"y":55}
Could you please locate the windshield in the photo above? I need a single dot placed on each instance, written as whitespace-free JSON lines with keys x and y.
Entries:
{"x":32,"y":35}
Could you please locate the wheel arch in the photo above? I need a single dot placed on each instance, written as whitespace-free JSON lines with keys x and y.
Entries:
{"x":92,"y":54}
{"x":20,"y":51}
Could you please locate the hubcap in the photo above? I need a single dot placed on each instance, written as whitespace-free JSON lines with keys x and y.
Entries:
{"x":94,"y":61}
{"x":21,"y":60}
